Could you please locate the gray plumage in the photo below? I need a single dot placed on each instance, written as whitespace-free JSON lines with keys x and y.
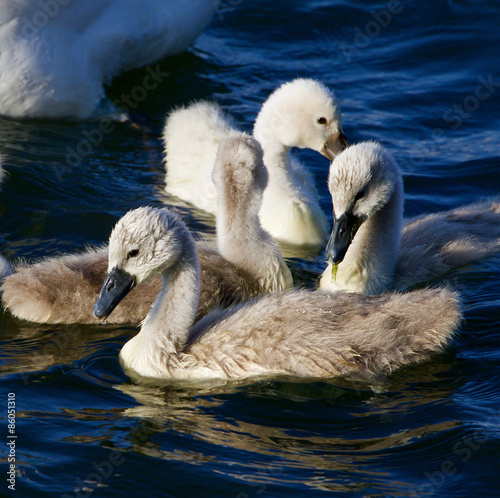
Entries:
{"x":63,"y":289}
{"x":298,"y":332}
{"x":240,"y":178}
{"x":433,"y":244}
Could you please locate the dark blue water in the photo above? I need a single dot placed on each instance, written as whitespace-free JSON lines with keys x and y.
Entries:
{"x":420,"y":76}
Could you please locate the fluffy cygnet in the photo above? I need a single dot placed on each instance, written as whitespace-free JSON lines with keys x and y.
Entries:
{"x":63,"y":290}
{"x":372,"y":249}
{"x":302,"y":113}
{"x":297,"y":332}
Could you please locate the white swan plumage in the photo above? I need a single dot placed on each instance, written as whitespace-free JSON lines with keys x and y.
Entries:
{"x":56,"y":56}
{"x":302,"y":113}
{"x":248,"y":263}
{"x":373,"y":250}
{"x":298,"y":332}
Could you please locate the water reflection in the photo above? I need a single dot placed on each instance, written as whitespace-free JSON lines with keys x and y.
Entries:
{"x":339,"y":435}
{"x":28,"y":348}
{"x":270,"y":453}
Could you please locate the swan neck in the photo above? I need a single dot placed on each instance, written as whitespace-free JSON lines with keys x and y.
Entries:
{"x":165,"y":330}
{"x":238,"y":207}
{"x":266,"y":131}
{"x":370,"y":263}
{"x":236,"y":227}
{"x":240,"y":237}
{"x":276,"y":156}
{"x":242,"y":241}
{"x":174,"y":311}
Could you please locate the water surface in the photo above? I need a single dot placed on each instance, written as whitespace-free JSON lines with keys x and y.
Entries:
{"x":409,"y":79}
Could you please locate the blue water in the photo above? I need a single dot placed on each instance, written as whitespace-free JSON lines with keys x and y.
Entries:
{"x":423,"y":78}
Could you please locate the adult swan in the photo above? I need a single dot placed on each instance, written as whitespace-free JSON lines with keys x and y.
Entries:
{"x":57,"y":55}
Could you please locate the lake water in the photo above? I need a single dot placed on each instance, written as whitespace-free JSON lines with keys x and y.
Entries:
{"x":423,"y":78}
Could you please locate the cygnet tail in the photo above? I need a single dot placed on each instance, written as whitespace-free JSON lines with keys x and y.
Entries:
{"x":477,"y":229}
{"x":417,"y":324}
{"x":191,"y":136}
{"x":195,"y":129}
{"x":433,"y":245}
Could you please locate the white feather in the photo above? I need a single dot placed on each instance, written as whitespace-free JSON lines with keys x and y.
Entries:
{"x":290,"y":209}
{"x":56,"y":56}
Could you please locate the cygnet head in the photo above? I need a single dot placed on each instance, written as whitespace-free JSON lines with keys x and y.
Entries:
{"x":302,"y":113}
{"x":143,"y":243}
{"x":239,"y":173}
{"x":362,"y":180}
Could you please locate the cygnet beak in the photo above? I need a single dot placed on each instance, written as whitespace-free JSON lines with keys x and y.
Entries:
{"x":344,"y":230}
{"x":334,"y":145}
{"x":117,"y":285}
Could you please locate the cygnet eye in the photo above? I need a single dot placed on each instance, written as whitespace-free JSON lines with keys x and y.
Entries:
{"x":322,"y":121}
{"x":359,"y":195}
{"x":133,"y":253}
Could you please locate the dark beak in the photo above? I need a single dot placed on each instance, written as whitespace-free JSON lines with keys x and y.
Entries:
{"x":335,"y":144}
{"x":116,"y":286}
{"x":343,"y":232}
